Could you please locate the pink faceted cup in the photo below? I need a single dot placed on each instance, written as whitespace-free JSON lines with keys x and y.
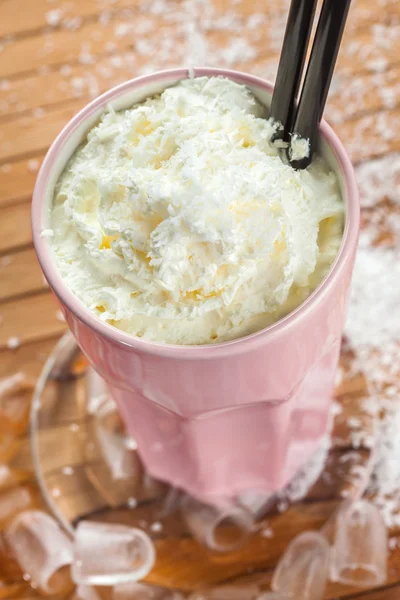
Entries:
{"x":220,"y":419}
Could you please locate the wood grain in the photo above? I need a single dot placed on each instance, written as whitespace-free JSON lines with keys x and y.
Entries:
{"x":370,"y":137}
{"x":16,"y":227}
{"x":20,"y":274}
{"x":30,"y":135}
{"x":46,"y":75}
{"x":27,"y":54}
{"x":76,"y":81}
{"x":17,"y":180}
{"x":37,"y":319}
{"x":29,"y":358}
{"x":35,"y":13}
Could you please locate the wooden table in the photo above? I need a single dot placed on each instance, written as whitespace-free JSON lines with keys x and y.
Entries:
{"x":56,"y":55}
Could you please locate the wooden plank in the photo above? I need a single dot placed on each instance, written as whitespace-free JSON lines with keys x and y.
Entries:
{"x":349,"y":97}
{"x":29,"y":358}
{"x":20,"y":273}
{"x":35,"y":14}
{"x":334,"y":591}
{"x":62,"y":46}
{"x":15,"y":226}
{"x":371,"y":136}
{"x":391,"y":592}
{"x":35,"y":319}
{"x":360,"y":49}
{"x":30,"y":135}
{"x":14,"y":590}
{"x":17,"y":179}
{"x":366,"y":13}
{"x":65,"y":84}
{"x":373,"y":50}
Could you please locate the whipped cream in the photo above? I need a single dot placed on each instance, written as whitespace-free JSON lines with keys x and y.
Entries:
{"x":177,"y":221}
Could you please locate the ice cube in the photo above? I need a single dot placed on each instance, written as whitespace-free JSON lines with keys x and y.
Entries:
{"x":12,"y":501}
{"x":302,"y":572}
{"x":152,"y":488}
{"x":15,"y":400}
{"x":223,"y":527}
{"x":258,"y":503}
{"x":171,"y":502}
{"x":117,"y":477}
{"x":108,"y":554}
{"x":360,"y":553}
{"x":97,"y":392}
{"x":85,"y":592}
{"x":119,"y":457}
{"x":143,"y":591}
{"x":228,"y":592}
{"x":61,"y":581}
{"x":41,"y":548}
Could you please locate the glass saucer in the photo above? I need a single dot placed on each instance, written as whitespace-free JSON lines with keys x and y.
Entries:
{"x":87,"y":468}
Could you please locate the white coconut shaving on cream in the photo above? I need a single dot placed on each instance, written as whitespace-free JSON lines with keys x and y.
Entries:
{"x":178,"y":222}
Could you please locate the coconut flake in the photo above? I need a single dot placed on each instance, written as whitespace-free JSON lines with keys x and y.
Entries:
{"x":53,"y":17}
{"x":13,"y":343}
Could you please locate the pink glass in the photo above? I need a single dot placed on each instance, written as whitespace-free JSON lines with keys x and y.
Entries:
{"x":219,"y":419}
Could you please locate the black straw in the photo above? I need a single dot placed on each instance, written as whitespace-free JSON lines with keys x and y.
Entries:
{"x":291,"y":63}
{"x":319,"y":74}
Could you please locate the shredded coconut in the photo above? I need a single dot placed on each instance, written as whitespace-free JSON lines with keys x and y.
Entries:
{"x":132,"y":502}
{"x":67,"y":471}
{"x":267,"y":532}
{"x":33,"y":165}
{"x":379,"y":179}
{"x":72,"y":23}
{"x":373,"y":321}
{"x":185,"y":224}
{"x":47,"y":233}
{"x":299,"y":147}
{"x":53,"y":17}
{"x":373,"y":331}
{"x":13,"y":343}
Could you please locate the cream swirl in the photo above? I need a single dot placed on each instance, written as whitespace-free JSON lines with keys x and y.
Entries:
{"x":178,"y":221}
